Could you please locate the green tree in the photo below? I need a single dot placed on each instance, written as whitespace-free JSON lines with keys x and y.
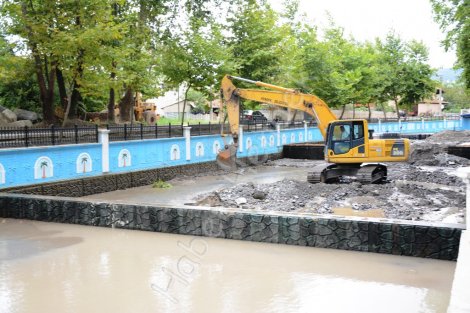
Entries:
{"x":199,"y":100}
{"x":332,"y":67}
{"x":195,"y":58}
{"x":255,"y":40}
{"x":35,"y":22}
{"x":457,"y":96}
{"x":132,"y":57}
{"x":453,"y":17}
{"x":18,"y":87}
{"x":416,"y":75}
{"x":406,"y":76}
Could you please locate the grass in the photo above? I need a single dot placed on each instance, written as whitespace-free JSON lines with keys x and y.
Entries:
{"x":175,"y":121}
{"x":161,"y":184}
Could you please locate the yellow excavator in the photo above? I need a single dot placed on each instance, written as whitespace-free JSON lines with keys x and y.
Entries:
{"x":350,"y":149}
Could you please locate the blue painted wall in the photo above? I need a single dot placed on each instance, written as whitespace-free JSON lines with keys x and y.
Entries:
{"x":417,"y":126}
{"x":21,"y":166}
{"x":28,"y":166}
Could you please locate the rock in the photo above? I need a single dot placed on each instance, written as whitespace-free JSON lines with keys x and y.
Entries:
{"x":26,"y":115}
{"x":258,"y":194}
{"x":213,"y":199}
{"x":240,"y":201}
{"x":21,"y":124}
{"x":7,"y":116}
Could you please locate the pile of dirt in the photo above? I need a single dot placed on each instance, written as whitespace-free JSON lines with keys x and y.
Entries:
{"x":433,"y":150}
{"x":425,"y":188}
{"x":399,"y":199}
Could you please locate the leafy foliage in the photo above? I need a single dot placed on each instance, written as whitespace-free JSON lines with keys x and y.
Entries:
{"x":454,"y":17}
{"x":406,"y":76}
{"x":457,"y":96}
{"x":92,"y":54}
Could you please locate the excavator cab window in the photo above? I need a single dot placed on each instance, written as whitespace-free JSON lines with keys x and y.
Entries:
{"x":358,"y":139}
{"x":340,"y":141}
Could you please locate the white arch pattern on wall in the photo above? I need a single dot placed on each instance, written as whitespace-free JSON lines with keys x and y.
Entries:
{"x":216,"y":147}
{"x":263,"y":142}
{"x":292,"y":137}
{"x":2,"y":174}
{"x":284,"y":139}
{"x":175,"y":152}
{"x":199,"y":149}
{"x":124,"y":158}
{"x":271,"y":141}
{"x":43,"y":168}
{"x":84,"y":163}
{"x":249,"y":143}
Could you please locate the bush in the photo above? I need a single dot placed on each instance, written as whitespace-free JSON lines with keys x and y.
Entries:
{"x":161,"y":184}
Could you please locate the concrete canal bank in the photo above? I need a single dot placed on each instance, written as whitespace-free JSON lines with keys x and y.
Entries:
{"x":422,"y":239}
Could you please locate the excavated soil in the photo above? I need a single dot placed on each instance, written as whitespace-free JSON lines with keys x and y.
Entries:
{"x":425,"y":188}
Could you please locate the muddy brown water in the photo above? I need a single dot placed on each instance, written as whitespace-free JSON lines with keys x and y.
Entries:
{"x":47,"y":267}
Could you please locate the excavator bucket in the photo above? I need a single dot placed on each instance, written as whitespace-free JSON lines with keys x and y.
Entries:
{"x":227,"y":158}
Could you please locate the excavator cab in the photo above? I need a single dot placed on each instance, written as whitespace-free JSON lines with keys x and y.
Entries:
{"x":346,"y":139}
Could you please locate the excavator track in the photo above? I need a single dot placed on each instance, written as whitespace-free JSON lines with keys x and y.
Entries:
{"x":323,"y":173}
{"x":331,"y":173}
{"x":372,"y":173}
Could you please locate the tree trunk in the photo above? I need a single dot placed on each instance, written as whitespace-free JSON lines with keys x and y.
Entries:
{"x":62,"y":89}
{"x":383,"y":110}
{"x":370,"y":111}
{"x":45,"y":82}
{"x":69,"y":105}
{"x":75,"y":99}
{"x":396,"y":107}
{"x":112,"y":97}
{"x":354,"y":110}
{"x":46,"y":91}
{"x":293,"y":117}
{"x":342,"y":111}
{"x":126,"y":106}
{"x":111,"y":115}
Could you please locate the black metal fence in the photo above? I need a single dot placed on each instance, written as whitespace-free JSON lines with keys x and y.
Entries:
{"x":51,"y":136}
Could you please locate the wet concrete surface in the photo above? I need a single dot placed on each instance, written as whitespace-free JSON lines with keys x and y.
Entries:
{"x":185,"y":189}
{"x":426,"y":193}
{"x":47,"y":267}
{"x":424,"y":189}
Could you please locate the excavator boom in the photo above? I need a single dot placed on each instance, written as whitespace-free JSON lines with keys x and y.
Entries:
{"x":278,"y":96}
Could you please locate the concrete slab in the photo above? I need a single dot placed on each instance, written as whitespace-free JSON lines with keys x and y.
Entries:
{"x":460,"y":301}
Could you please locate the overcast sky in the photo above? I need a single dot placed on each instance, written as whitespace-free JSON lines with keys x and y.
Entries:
{"x":367,"y":19}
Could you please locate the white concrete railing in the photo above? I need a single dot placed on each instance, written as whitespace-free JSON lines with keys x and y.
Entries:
{"x":459,"y":301}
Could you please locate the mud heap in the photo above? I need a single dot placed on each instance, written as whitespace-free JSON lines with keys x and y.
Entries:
{"x":433,"y":150}
{"x":425,"y":188}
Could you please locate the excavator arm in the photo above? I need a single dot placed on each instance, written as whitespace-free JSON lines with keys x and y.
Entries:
{"x":278,"y":96}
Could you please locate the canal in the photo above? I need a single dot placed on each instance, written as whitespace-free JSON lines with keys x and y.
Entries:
{"x":47,"y":267}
